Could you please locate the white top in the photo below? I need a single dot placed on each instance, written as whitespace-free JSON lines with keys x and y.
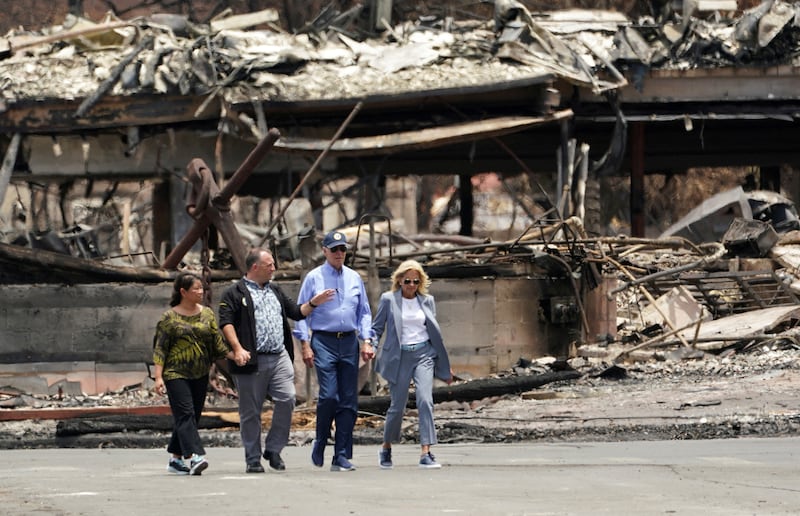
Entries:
{"x":414,"y":330}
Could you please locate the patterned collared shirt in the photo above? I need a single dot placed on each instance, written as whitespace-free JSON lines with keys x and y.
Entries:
{"x":269,"y":323}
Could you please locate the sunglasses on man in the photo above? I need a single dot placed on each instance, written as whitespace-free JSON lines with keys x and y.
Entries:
{"x":338,"y":249}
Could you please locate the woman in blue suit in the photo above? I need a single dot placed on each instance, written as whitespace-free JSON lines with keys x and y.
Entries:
{"x":413,"y":349}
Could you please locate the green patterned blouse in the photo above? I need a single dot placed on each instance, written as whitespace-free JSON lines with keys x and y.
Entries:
{"x":187,"y":345}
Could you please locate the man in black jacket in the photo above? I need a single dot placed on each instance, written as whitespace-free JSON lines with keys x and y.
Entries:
{"x":253,"y":316}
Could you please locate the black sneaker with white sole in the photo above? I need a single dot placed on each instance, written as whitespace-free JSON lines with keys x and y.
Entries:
{"x":197,"y":465}
{"x":177,"y":466}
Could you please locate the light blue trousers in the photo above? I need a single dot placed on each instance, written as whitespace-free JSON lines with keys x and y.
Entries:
{"x":417,"y":364}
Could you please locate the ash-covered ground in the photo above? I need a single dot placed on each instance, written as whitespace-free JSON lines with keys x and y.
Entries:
{"x":742,"y":394}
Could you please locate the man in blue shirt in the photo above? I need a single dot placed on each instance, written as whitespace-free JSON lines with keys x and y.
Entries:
{"x":333,"y":347}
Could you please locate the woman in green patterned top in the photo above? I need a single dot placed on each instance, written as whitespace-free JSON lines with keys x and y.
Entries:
{"x":186,"y":343}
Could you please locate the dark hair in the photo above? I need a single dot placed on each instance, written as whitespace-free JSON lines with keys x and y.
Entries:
{"x":185,"y":280}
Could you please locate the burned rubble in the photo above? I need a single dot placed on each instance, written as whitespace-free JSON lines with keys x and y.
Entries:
{"x":705,"y":338}
{"x":746,"y":393}
{"x":684,"y":365}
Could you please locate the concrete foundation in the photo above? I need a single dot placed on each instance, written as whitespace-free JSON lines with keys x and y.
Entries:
{"x":98,"y":338}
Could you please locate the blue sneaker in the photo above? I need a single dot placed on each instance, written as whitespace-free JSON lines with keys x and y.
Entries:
{"x":318,"y":453}
{"x":428,"y":461}
{"x":197,"y":465}
{"x":340,"y":463}
{"x":177,"y":466}
{"x":385,"y":458}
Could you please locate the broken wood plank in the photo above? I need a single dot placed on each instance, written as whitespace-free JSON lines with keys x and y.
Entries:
{"x":717,"y":333}
{"x":242,"y":21}
{"x":9,"y":46}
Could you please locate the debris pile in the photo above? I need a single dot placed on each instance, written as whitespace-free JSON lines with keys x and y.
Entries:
{"x":695,"y":293}
{"x":696,"y":314}
{"x":745,"y":393}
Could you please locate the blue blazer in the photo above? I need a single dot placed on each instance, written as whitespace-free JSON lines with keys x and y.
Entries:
{"x":389,"y":316}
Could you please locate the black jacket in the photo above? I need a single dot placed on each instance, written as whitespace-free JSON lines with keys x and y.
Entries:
{"x":236,"y":308}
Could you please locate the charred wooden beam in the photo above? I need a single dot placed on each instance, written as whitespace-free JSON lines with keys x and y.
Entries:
{"x":474,"y":390}
{"x":58,"y":115}
{"x":130,"y":423}
{"x":66,"y":413}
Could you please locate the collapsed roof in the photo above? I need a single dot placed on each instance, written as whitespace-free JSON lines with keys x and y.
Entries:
{"x":161,"y":71}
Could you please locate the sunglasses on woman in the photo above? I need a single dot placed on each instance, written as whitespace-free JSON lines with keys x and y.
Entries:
{"x":410,"y":281}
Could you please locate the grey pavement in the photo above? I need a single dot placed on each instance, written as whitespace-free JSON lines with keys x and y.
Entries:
{"x":725,"y":477}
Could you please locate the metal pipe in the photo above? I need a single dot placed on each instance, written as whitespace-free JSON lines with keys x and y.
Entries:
{"x":311,"y":170}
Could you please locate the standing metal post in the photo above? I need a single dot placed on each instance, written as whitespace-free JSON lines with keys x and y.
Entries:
{"x":373,"y":278}
{"x":373,"y":292}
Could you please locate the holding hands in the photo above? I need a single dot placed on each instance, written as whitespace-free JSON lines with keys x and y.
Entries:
{"x":241,"y":356}
{"x":367,"y":351}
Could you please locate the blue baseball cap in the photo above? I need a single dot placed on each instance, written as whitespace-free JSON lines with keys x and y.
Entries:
{"x":334,"y":239}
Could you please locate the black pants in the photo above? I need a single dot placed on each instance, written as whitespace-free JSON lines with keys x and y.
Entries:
{"x":186,"y":400}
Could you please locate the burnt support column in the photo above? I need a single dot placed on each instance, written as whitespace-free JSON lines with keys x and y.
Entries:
{"x":162,"y":219}
{"x":770,"y":178}
{"x":314,"y":194}
{"x":637,"y":179}
{"x":425,"y":189}
{"x":467,"y":208}
{"x":794,"y":182}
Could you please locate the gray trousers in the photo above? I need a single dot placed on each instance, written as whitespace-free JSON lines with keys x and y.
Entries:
{"x":417,"y":364}
{"x":275,"y":377}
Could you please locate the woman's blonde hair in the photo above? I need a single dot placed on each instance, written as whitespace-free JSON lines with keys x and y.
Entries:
{"x":411,"y":265}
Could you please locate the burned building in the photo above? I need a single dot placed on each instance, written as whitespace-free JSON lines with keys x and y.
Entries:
{"x":561,"y":99}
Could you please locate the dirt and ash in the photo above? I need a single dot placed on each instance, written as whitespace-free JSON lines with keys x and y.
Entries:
{"x":733,"y":394}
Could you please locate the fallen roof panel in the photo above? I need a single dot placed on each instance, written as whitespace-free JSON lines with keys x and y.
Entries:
{"x":419,"y":139}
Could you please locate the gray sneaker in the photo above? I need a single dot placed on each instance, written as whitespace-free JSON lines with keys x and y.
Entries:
{"x":177,"y":466}
{"x":428,"y":461}
{"x":385,"y":458}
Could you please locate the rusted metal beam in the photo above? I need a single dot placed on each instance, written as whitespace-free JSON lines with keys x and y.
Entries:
{"x":313,"y":168}
{"x":218,"y":208}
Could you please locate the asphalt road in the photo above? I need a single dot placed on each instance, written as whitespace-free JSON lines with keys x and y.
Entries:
{"x":725,"y":477}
